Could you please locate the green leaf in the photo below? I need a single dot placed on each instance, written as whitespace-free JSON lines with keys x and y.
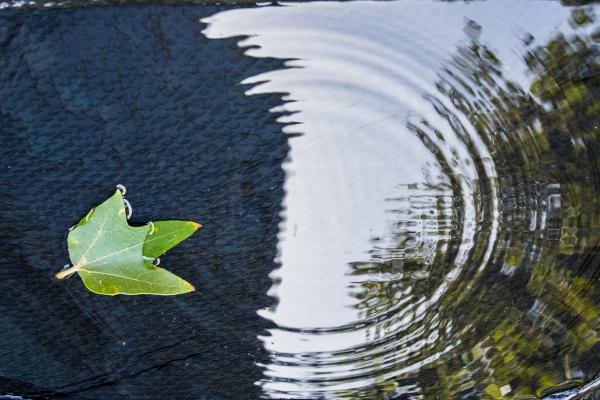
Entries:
{"x":166,"y":235}
{"x":113,"y":257}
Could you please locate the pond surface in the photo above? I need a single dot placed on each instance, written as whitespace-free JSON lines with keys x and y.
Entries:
{"x":400,"y":200}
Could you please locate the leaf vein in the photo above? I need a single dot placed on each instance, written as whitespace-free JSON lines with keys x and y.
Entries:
{"x":132,"y":279}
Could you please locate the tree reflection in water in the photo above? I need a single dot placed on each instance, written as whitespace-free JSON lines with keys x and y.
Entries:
{"x":522,"y":320}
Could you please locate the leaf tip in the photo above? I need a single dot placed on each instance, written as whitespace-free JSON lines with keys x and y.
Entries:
{"x":196,"y":225}
{"x":190,"y":287}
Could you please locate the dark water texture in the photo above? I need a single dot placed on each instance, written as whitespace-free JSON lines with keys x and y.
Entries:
{"x":486,"y":284}
{"x":137,"y":96}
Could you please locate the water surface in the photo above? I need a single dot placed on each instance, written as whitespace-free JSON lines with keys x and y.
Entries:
{"x":440,"y":219}
{"x":400,"y":200}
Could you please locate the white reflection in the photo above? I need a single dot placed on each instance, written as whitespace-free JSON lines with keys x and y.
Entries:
{"x":359,"y":73}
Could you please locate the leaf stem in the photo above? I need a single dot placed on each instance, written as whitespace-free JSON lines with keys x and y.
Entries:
{"x":66,"y":272}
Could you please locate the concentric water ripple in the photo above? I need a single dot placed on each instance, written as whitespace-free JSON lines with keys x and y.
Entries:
{"x":441,"y":224}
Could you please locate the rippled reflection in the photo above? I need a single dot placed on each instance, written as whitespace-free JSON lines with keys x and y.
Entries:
{"x":442,"y":212}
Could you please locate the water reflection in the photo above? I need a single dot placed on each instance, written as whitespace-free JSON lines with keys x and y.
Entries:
{"x":442,"y":209}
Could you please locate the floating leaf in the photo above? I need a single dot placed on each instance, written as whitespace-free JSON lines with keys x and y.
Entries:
{"x":113,"y":257}
{"x":166,"y":235}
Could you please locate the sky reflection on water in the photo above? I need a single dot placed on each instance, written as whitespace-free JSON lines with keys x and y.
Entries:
{"x":428,"y":199}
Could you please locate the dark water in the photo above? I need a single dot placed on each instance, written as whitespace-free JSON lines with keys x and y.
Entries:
{"x":400,"y":200}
